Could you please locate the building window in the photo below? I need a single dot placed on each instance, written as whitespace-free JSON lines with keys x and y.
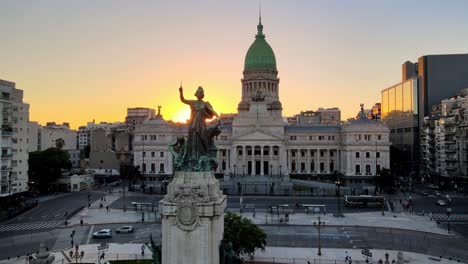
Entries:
{"x":152,"y":154}
{"x":357,"y":154}
{"x":249,"y":152}
{"x":292,"y":137}
{"x":161,"y":167}
{"x":152,"y":137}
{"x":293,"y":153}
{"x":321,"y":137}
{"x":266,"y":152}
{"x":332,"y":166}
{"x":293,"y":166}
{"x":367,"y":155}
{"x":143,"y":167}
{"x":161,"y":154}
{"x":239,"y":152}
{"x":303,"y":153}
{"x":302,"y":166}
{"x":367,"y":137}
{"x":153,"y":167}
{"x":275,"y":151}
{"x":368,"y":170}
{"x":310,"y":138}
{"x":322,"y":153}
{"x":377,"y":154}
{"x":331,"y":137}
{"x":379,"y":137}
{"x":312,"y":166}
{"x":144,"y":154}
{"x":358,"y":169}
{"x":332,"y":153}
{"x":322,"y":166}
{"x":378,"y":169}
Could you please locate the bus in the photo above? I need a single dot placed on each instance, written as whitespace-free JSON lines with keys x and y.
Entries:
{"x":364,"y":201}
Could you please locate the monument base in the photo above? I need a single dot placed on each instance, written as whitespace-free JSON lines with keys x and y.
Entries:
{"x":192,"y":215}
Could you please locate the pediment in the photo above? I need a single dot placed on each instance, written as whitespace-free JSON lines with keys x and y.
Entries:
{"x":256,"y":135}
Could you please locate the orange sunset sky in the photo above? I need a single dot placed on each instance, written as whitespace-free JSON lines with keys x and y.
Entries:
{"x":82,"y":60}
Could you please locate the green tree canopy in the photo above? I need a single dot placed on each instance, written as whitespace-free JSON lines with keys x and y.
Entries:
{"x":46,"y":166}
{"x":244,"y":235}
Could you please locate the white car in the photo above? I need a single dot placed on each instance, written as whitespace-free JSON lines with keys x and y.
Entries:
{"x":441,"y":203}
{"x":125,"y":229}
{"x":103,"y":233}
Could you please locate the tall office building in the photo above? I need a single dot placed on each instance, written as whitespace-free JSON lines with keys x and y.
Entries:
{"x":405,"y":105}
{"x":14,"y":142}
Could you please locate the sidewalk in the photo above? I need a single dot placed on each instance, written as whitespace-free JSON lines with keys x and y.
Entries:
{"x":372,"y":219}
{"x":270,"y":255}
{"x":329,"y":255}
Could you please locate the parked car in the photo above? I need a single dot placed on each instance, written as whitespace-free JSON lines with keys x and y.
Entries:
{"x":103,"y":233}
{"x":441,"y":203}
{"x":125,"y":229}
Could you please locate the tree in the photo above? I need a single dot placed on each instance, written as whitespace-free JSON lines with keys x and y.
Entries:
{"x":244,"y":235}
{"x":386,"y":180}
{"x":46,"y":166}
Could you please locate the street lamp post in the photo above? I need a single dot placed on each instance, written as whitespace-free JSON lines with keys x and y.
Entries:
{"x":77,"y":255}
{"x":9,"y":194}
{"x":338,"y":184}
{"x":449,"y":210}
{"x":318,"y":226}
{"x":280,"y":170}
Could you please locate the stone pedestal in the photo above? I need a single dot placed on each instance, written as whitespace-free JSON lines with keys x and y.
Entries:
{"x":192,"y":215}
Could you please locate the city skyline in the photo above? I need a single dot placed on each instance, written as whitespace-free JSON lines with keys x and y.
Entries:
{"x":80,"y":63}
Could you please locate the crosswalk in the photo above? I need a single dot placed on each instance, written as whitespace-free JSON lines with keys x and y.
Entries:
{"x":29,"y":226}
{"x":453,"y":217}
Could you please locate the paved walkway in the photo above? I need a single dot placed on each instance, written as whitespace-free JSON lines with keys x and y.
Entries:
{"x":403,"y":220}
{"x":270,"y":255}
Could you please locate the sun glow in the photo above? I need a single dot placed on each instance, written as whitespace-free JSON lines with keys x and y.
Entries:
{"x":181,"y":115}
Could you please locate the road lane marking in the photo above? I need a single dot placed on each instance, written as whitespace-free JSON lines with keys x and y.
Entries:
{"x":90,"y":234}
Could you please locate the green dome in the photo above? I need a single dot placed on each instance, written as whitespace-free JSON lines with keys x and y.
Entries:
{"x":260,"y":55}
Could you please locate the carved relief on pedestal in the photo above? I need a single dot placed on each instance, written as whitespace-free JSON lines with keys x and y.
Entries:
{"x":187,"y":198}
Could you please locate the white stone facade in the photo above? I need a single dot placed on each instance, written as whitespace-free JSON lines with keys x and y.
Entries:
{"x":150,"y":145}
{"x":14,"y":141}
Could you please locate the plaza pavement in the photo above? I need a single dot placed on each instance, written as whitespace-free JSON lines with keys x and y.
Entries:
{"x":97,"y":215}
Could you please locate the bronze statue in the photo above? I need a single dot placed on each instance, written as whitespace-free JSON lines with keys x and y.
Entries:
{"x":199,"y":152}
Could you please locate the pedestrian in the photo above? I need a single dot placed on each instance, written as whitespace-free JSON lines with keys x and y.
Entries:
{"x":71,"y":242}
{"x":81,"y":222}
{"x":107,"y":208}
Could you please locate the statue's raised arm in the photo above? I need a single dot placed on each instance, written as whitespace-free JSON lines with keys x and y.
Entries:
{"x":182,"y":99}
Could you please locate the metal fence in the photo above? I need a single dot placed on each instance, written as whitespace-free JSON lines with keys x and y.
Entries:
{"x":304,"y":261}
{"x":262,"y":188}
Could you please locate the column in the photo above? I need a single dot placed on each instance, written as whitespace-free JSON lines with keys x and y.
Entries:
{"x":308,"y":160}
{"x":261,"y":160}
{"x":271,"y":159}
{"x":253,"y":160}
{"x":317,"y":160}
{"x":327,"y":165}
{"x":218,"y":158}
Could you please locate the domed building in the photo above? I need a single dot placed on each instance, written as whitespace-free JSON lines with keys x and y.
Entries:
{"x":258,"y":152}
